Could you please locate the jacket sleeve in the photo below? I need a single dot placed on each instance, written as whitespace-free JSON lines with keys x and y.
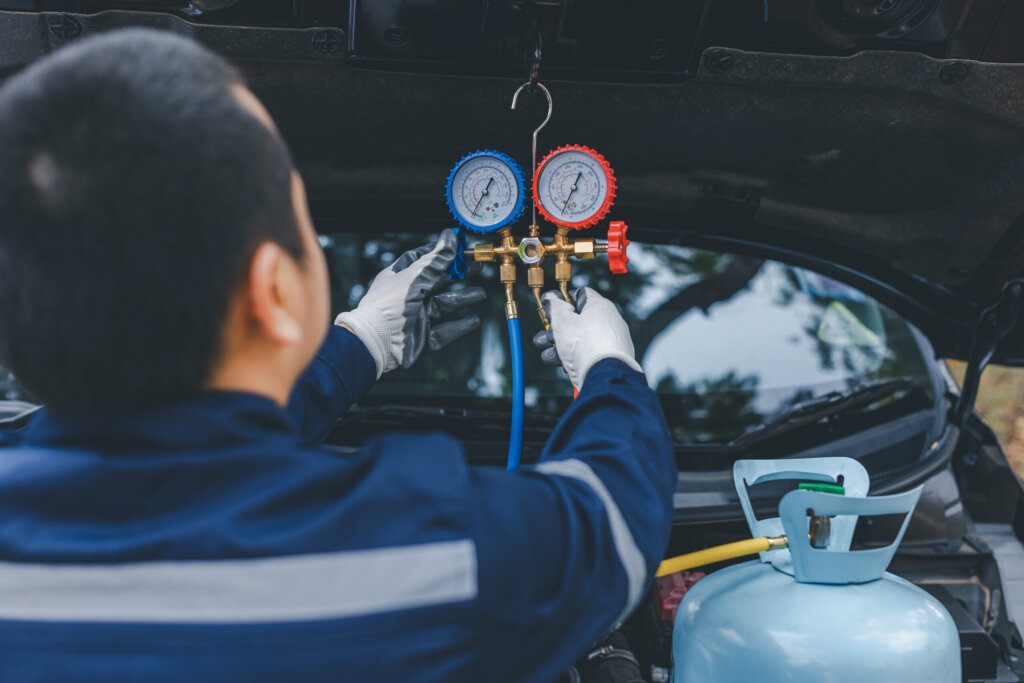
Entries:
{"x":339,"y":375}
{"x":568,"y":548}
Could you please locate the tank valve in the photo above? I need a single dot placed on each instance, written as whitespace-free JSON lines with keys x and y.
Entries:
{"x":819,"y":530}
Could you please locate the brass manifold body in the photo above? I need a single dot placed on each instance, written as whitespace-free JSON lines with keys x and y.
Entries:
{"x":531,"y":250}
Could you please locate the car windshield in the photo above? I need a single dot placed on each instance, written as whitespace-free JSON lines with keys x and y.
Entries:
{"x":727,"y":341}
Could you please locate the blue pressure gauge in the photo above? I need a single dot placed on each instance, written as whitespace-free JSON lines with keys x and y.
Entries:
{"x":486,"y":191}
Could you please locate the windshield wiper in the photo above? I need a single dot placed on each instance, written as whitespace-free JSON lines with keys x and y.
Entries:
{"x":817,"y":409}
{"x":439,"y":415}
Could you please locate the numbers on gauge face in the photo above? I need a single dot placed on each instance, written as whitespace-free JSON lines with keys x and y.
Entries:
{"x":574,"y":187}
{"x":485,"y":191}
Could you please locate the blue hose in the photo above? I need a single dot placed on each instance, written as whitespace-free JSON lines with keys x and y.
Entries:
{"x":515,"y":439}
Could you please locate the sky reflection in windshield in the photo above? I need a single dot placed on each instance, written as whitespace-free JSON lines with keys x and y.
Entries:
{"x":726,"y":340}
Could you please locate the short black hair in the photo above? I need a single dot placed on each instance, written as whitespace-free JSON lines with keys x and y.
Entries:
{"x":134,"y":189}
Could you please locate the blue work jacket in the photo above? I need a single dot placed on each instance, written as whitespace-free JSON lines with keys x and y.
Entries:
{"x":215,"y":539}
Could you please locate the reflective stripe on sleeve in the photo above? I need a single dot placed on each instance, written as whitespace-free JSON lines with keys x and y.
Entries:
{"x":629,"y":554}
{"x":290,"y":588}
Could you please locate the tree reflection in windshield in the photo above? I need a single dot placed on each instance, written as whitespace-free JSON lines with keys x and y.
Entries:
{"x":727,"y":341}
{"x":10,"y":390}
{"x":712,"y":410}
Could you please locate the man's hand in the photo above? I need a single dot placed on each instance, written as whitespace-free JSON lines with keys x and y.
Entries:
{"x":395,"y":317}
{"x":581,"y":336}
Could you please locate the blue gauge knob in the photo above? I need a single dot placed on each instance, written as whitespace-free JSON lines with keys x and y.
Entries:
{"x":486,"y":191}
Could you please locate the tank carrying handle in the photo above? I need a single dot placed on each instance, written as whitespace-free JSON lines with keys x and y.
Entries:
{"x":836,"y":563}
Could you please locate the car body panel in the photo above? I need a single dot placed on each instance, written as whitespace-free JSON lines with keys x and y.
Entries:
{"x":873,"y":167}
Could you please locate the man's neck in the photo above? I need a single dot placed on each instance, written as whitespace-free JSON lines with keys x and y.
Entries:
{"x":253,"y":378}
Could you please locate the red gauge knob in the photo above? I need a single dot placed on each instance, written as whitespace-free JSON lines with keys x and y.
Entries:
{"x":617,"y":243}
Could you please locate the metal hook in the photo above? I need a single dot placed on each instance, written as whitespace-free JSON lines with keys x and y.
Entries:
{"x":533,"y":168}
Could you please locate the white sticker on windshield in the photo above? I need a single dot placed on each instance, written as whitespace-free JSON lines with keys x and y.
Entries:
{"x":840,"y":327}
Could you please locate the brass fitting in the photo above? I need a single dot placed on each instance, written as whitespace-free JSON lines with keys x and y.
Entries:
{"x":506,"y":252}
{"x":506,"y":249}
{"x":535,"y":276}
{"x":563,"y":273}
{"x":560,"y":245}
{"x":540,"y":309}
{"x":776,"y":542}
{"x":583,"y":248}
{"x":511,"y":309}
{"x":483,"y":251}
{"x":507,"y":271}
{"x":562,"y":248}
{"x":532,"y":250}
{"x":506,"y":237}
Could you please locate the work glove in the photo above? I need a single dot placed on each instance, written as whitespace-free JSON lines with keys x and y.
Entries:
{"x":582,"y":335}
{"x":396,"y":317}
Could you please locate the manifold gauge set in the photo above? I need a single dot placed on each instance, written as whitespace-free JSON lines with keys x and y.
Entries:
{"x":572,"y":188}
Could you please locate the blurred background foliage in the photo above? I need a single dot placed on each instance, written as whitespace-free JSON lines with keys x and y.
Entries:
{"x":1001,"y":403}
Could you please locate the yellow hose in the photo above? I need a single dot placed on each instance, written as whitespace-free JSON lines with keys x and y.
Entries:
{"x":720,"y":553}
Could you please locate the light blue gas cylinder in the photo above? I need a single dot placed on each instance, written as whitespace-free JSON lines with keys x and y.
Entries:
{"x":814,"y":615}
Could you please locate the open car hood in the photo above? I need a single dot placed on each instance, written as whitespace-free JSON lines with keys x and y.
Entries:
{"x":899,"y":173}
{"x":896,"y":172}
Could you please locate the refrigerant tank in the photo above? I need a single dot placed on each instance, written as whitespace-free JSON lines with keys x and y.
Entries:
{"x":814,"y":615}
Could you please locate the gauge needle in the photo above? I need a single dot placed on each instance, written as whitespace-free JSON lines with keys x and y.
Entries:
{"x":571,"y":190}
{"x":482,"y":195}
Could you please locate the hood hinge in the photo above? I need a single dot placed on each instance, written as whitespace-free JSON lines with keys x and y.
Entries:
{"x":994,"y":323}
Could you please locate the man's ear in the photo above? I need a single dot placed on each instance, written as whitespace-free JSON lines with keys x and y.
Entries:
{"x":274,"y":287}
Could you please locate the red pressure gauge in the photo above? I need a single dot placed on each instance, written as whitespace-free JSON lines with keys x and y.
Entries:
{"x":574,"y":187}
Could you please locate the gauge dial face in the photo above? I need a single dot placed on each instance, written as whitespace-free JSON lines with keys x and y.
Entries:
{"x":574,"y":187}
{"x":485,"y":191}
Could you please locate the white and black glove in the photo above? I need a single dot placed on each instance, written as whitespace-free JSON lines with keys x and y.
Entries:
{"x":584,"y":334}
{"x":395,"y":318}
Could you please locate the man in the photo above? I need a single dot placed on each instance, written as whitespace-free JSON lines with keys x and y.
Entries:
{"x":169,"y":514}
